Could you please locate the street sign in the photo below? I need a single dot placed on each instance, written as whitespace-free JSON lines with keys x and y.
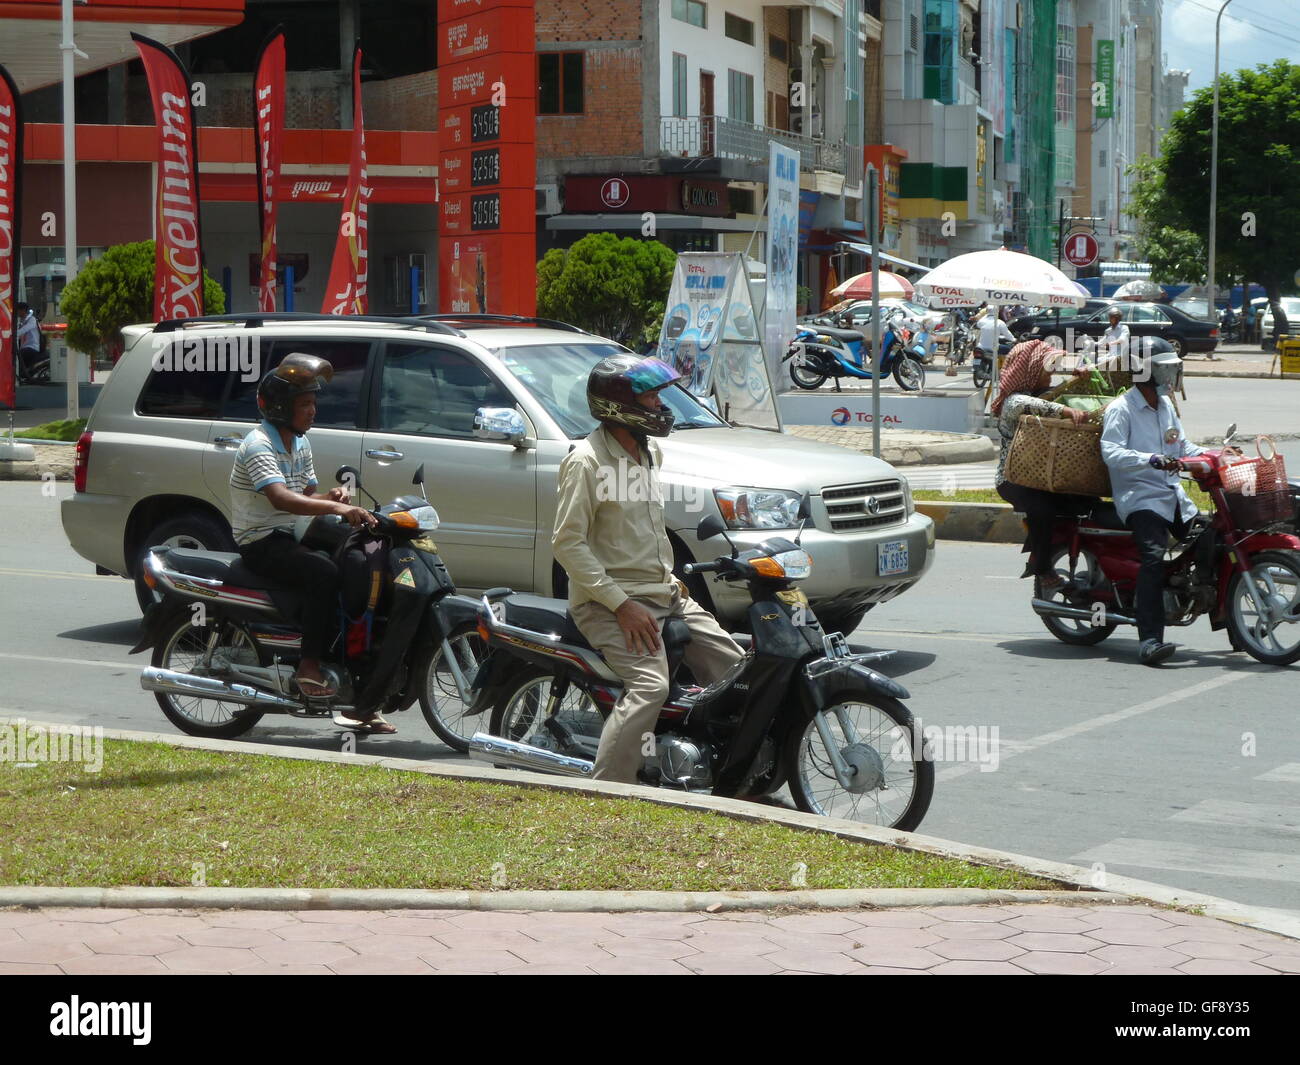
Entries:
{"x":1081,"y":249}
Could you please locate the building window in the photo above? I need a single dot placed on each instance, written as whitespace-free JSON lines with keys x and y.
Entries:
{"x":740,"y":96}
{"x":941,"y":50}
{"x":692,"y":11}
{"x":1065,"y":143}
{"x":778,"y":48}
{"x":559,"y":83}
{"x":1101,"y":158}
{"x":679,"y":84}
{"x":738,"y":29}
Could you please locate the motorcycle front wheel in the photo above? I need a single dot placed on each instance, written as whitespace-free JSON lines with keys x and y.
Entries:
{"x":909,"y":374}
{"x":440,"y":701}
{"x":182,"y":649}
{"x":893,"y":778}
{"x":520,"y":715}
{"x":1276,"y":579}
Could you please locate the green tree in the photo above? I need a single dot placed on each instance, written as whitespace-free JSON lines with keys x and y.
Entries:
{"x":613,"y":287}
{"x":1175,"y":254}
{"x":115,"y":290}
{"x":1258,"y":213}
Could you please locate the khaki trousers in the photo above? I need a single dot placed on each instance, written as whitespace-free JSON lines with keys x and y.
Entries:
{"x":710,"y":654}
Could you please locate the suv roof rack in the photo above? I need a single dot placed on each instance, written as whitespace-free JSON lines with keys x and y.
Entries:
{"x":254,"y":320}
{"x":504,"y":319}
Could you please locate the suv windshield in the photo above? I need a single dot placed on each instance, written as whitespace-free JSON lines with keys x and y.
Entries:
{"x":556,"y":374}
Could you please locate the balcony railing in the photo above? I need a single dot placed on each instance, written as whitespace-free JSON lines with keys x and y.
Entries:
{"x":719,"y":137}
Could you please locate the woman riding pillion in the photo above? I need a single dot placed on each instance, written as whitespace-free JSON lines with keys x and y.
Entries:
{"x":1026,"y":376}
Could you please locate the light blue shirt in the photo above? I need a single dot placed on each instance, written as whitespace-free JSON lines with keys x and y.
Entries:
{"x":1133,"y":431}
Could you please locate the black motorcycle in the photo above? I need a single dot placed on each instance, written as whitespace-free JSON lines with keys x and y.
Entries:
{"x":799,"y":708}
{"x":226,"y":641}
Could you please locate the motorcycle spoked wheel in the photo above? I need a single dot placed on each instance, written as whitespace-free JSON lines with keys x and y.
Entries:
{"x":521,"y":711}
{"x":876,"y":735}
{"x":182,"y":650}
{"x":802,"y":373}
{"x":440,"y":702}
{"x":1087,"y":573}
{"x":1276,"y":576}
{"x":980,"y":373}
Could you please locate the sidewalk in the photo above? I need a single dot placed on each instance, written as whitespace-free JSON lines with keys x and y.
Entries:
{"x":1234,"y":360}
{"x":1100,"y":940}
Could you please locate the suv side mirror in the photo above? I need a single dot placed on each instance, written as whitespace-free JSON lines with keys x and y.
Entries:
{"x":500,"y":424}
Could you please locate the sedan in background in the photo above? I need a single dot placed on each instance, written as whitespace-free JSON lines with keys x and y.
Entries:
{"x":1184,"y":333}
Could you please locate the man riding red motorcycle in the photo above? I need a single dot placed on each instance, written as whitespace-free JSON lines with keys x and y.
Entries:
{"x":1240,"y":563}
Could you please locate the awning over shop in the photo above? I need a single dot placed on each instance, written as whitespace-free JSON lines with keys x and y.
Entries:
{"x":29,"y":43}
{"x":865,"y":249}
{"x":1124,"y":269}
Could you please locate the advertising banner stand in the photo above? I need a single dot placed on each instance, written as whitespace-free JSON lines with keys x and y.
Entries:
{"x":711,"y":337}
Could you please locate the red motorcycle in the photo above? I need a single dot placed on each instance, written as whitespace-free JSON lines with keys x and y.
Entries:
{"x":1240,"y":564}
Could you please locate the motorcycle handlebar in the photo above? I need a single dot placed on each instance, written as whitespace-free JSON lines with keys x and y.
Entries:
{"x":700,"y":567}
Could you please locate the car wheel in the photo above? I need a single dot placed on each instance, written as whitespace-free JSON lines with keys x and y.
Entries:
{"x":194,"y":531}
{"x":1179,"y":346}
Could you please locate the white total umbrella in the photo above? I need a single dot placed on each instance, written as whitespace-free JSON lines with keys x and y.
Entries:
{"x":998,"y":277}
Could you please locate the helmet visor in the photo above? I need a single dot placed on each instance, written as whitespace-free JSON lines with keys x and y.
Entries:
{"x":651,"y":374}
{"x":302,"y":371}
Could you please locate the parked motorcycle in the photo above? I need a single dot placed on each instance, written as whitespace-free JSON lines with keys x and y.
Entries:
{"x":798,"y":709}
{"x":819,"y":352}
{"x":225,"y":645}
{"x":1240,"y":564}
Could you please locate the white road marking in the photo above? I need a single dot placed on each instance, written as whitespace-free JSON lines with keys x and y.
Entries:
{"x":1017,"y":748}
{"x":1283,"y":774}
{"x":1258,"y":815}
{"x":74,"y":661}
{"x":1185,"y":858}
{"x":986,"y":637}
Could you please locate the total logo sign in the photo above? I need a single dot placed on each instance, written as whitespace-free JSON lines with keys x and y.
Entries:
{"x":842,"y":416}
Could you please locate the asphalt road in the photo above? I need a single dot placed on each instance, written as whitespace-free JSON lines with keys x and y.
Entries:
{"x":1186,"y":775}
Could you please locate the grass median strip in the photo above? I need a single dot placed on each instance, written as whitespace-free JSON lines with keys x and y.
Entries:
{"x":66,"y":430}
{"x":988,"y":495}
{"x":162,"y":816}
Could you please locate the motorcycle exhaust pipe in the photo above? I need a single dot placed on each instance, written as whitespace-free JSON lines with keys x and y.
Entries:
{"x":485,"y":748}
{"x":169,"y":681}
{"x":1044,"y":608}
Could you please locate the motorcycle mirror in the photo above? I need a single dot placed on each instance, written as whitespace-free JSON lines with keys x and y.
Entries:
{"x":1227,"y":437}
{"x":346,"y":474}
{"x":804,"y":515}
{"x":710,"y":526}
{"x":418,"y":480}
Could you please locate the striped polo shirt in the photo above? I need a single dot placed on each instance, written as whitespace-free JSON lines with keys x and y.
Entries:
{"x":262,"y":460}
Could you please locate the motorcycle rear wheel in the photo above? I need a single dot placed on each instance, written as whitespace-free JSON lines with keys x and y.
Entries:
{"x":804,"y":377}
{"x":440,"y":702}
{"x":520,"y":713}
{"x":1087,"y":572}
{"x":881,"y":727}
{"x":980,"y":372}
{"x":1282,"y":569}
{"x":181,"y":650}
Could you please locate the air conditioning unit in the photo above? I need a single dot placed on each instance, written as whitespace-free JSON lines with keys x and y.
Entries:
{"x":548,"y":199}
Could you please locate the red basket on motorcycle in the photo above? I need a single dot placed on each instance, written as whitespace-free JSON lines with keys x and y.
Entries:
{"x":1262,"y":508}
{"x":1257,"y":491}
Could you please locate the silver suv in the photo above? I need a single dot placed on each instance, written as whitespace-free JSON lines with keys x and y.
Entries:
{"x":489,"y":405}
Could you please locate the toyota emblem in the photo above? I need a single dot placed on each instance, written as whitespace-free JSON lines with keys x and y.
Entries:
{"x":873,"y":505}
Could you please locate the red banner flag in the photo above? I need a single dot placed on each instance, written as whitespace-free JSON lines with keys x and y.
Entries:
{"x":178,"y":262}
{"x":268,"y":106}
{"x":11,"y":177}
{"x":346,"y":292}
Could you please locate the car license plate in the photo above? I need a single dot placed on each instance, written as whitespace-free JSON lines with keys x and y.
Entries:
{"x":893,"y":558}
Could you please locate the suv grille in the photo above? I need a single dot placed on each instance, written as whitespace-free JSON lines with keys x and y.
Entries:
{"x":848,"y":507}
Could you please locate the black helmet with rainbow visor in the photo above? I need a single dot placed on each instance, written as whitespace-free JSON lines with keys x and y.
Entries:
{"x":616,"y":383}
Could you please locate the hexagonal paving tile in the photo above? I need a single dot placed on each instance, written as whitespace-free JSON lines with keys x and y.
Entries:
{"x":1044,"y":962}
{"x":729,"y":965}
{"x":897,"y":957}
{"x":622,"y":947}
{"x":967,"y":913}
{"x":489,"y":920}
{"x":1142,"y":957}
{"x":561,"y":954}
{"x":138,"y":945}
{"x":322,"y":932}
{"x":209,"y":959}
{"x":640,"y":967}
{"x":826,"y":924}
{"x":909,"y":918}
{"x":114,"y":965}
{"x":157,"y":923}
{"x":88,"y":914}
{"x":470,"y":961}
{"x":812,"y":961}
{"x":1052,"y":923}
{"x":1283,"y":963}
{"x":1139,"y":935}
{"x":728,"y":942}
{"x":298,"y":953}
{"x":897,"y":937}
{"x":976,"y":949}
{"x":66,"y":932}
{"x":548,"y":970}
{"x":231,"y":937}
{"x":396,"y":946}
{"x":1223,"y":951}
{"x":1217,"y":967}
{"x":381,"y":965}
{"x":48,"y":953}
{"x":476,"y":939}
{"x":1055,"y":942}
{"x":16,"y":968}
{"x":262,"y":919}
{"x":979,"y":968}
{"x":972,"y":930}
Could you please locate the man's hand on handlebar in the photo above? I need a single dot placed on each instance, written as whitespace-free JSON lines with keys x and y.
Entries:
{"x":640,"y":629}
{"x":355,"y":516}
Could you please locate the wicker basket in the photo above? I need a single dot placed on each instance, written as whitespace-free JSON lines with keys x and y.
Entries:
{"x":1055,"y":455}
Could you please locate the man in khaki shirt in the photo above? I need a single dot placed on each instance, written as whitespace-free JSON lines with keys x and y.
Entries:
{"x":611,"y":540}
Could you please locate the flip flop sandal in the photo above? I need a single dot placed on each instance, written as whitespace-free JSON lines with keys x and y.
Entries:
{"x":377,"y":725}
{"x":355,"y":723}
{"x":315,"y":689}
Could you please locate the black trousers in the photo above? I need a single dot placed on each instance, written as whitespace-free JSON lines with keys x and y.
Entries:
{"x":1151,"y":533}
{"x":1041,"y":509}
{"x":309,"y":573}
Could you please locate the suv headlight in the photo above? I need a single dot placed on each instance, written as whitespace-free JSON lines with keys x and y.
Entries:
{"x":758,"y":508}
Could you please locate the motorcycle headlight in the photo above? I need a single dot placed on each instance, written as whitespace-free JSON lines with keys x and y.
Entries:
{"x":423,"y":518}
{"x":758,"y":508}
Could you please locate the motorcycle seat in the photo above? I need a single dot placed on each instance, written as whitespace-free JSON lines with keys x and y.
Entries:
{"x":1104,"y":516}
{"x":537,"y":613}
{"x":848,"y":336}
{"x":225,"y":566}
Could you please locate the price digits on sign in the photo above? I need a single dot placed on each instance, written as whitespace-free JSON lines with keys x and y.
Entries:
{"x":485,"y":167}
{"x":484,"y":123}
{"x":485,"y":211}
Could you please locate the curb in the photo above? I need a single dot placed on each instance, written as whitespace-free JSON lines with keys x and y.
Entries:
{"x":993,"y":523}
{"x":1248,"y":375}
{"x":1083,"y":880}
{"x":144,"y":898}
{"x":961,"y":448}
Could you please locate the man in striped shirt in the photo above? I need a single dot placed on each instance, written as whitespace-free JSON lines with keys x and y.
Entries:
{"x":274,"y":481}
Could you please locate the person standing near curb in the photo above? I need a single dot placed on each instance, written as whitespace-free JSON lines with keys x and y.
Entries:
{"x":611,"y":540}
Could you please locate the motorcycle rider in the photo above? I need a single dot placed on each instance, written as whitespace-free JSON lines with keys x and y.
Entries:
{"x":27,"y":341}
{"x":274,"y":480}
{"x":1141,"y":442}
{"x":611,"y":540}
